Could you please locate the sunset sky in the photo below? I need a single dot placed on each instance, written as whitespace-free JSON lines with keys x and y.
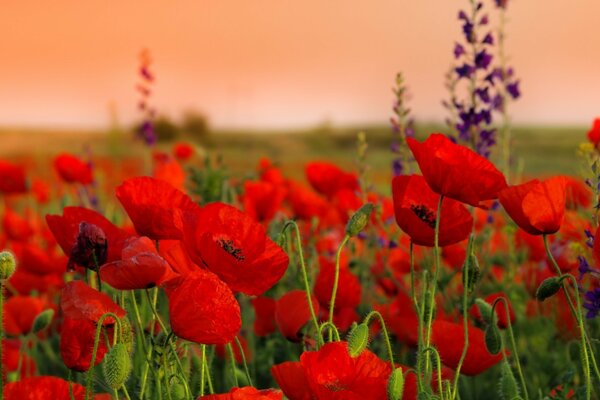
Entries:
{"x":278,"y":64}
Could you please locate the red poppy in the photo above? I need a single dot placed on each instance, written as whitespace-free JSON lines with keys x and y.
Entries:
{"x":72,"y":170}
{"x":455,"y":255}
{"x":20,"y":312}
{"x":594,"y":133}
{"x":140,"y":267}
{"x":25,"y":282}
{"x":292,"y":380}
{"x":306,"y":203}
{"x":456,"y":171}
{"x":416,"y":205}
{"x":292,"y":313}
{"x":449,"y":339}
{"x":537,"y":207}
{"x":65,"y":229}
{"x":46,"y":388}
{"x":79,"y":301}
{"x":15,"y":226}
{"x":262,"y":200}
{"x":264,"y":316}
{"x":174,"y":253}
{"x":155,"y":207}
{"x":202,"y":309}
{"x":332,"y":373}
{"x":500,"y":310}
{"x":183,"y":151}
{"x":401,"y":318}
{"x":12,"y":178}
{"x":39,"y":261}
{"x":246,"y":393}
{"x":349,"y":290}
{"x":327,"y":178}
{"x":235,"y":247}
{"x":168,"y":170}
{"x":269,"y":173}
{"x":77,"y":338}
{"x":40,"y":190}
{"x":578,"y":194}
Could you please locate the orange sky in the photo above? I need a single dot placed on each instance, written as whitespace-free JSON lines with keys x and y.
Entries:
{"x":277,"y":63}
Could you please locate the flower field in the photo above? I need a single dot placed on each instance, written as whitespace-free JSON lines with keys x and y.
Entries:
{"x":415,"y":262}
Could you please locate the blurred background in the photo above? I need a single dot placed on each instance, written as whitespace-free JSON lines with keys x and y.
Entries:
{"x":285,"y":79}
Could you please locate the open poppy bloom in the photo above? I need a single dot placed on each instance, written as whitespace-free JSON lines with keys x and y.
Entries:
{"x":349,"y":289}
{"x":77,"y":338}
{"x":292,"y":313}
{"x":155,"y":207}
{"x":449,"y":339}
{"x":331,"y":374}
{"x":538,"y":207}
{"x":46,"y":388}
{"x":15,"y":226}
{"x":183,"y":151}
{"x":246,"y":393}
{"x":202,"y":308}
{"x":72,"y":170}
{"x":20,"y":312}
{"x":415,"y":206}
{"x":327,"y":178}
{"x":12,"y":178}
{"x":594,"y":133}
{"x":262,"y":200}
{"x":79,"y":301}
{"x":456,"y":171}
{"x":140,"y":267}
{"x":66,"y":229}
{"x":235,"y":247}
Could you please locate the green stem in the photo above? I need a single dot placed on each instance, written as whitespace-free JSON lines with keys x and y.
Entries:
{"x":336,"y":279}
{"x":385,"y":334}
{"x":69,"y":378}
{"x":1,"y":336}
{"x":311,"y":308}
{"x":439,"y":367}
{"x":241,"y":350}
{"x":202,"y":368}
{"x":89,"y":390}
{"x":232,"y":359}
{"x":211,"y":390}
{"x":332,"y":330}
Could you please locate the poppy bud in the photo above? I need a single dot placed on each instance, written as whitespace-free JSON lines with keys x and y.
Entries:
{"x":508,"y":385}
{"x":395,"y":387}
{"x":358,"y":339}
{"x":7,"y":264}
{"x":485,"y":309}
{"x":548,"y":288}
{"x":176,"y":391}
{"x":42,"y":321}
{"x":127,"y":334}
{"x":359,"y":220}
{"x":281,"y":240}
{"x":473,"y":273}
{"x":117,"y":366}
{"x":493,"y":341}
{"x":91,"y":247}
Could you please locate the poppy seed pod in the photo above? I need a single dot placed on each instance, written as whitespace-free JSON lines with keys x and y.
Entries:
{"x":548,"y":288}
{"x":117,"y":366}
{"x":8,"y":265}
{"x":359,"y":220}
{"x":395,"y":387}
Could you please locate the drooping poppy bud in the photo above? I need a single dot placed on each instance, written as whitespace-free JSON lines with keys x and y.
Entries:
{"x":395,"y":387}
{"x":43,"y":320}
{"x":117,"y":366}
{"x":548,"y":288}
{"x":493,"y":340}
{"x":358,"y":339}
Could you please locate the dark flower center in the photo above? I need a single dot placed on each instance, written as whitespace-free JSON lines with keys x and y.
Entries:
{"x":424,"y":214}
{"x":230,"y":248}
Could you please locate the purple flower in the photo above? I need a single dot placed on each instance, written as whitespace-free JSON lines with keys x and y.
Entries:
{"x":392,"y":244}
{"x":501,"y":3}
{"x":488,"y":39}
{"x":513,"y":90}
{"x":463,"y":15}
{"x":592,"y":303}
{"x":484,"y":20}
{"x":464,"y":71}
{"x":459,"y":50}
{"x":397,"y":167}
{"x":483,"y":59}
{"x":483,"y":94}
{"x":468,"y":31}
{"x":584,"y":267}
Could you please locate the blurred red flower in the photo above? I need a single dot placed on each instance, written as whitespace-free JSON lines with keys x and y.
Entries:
{"x":235,"y":247}
{"x":246,"y":393}
{"x":15,"y":226}
{"x":183,"y":151}
{"x":537,"y":207}
{"x":327,"y":178}
{"x":594,"y":133}
{"x":12,"y":178}
{"x":456,"y":171}
{"x":72,"y":170}
{"x":20,"y":312}
{"x":292,"y":313}
{"x":262,"y":200}
{"x":155,"y":207}
{"x":46,"y":388}
{"x":349,"y":289}
{"x":264,"y":316}
{"x":415,"y":206}
{"x":202,"y":308}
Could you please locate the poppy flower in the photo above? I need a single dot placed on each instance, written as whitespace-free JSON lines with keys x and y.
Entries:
{"x":46,"y":388}
{"x":456,"y":171}
{"x":402,"y":319}
{"x":578,"y":194}
{"x":262,"y":200}
{"x":37,"y":260}
{"x":20,"y":312}
{"x":537,"y":207}
{"x":168,"y":170}
{"x":40,"y":190}
{"x":292,"y":313}
{"x":155,"y":207}
{"x":79,"y":301}
{"x":140,"y":267}
{"x":594,"y":133}
{"x":77,"y":338}
{"x":264,"y":316}
{"x":15,"y":226}
{"x":449,"y":339}
{"x":292,"y":380}
{"x":246,"y":393}
{"x":175,"y":254}
{"x":306,"y":203}
{"x":327,"y":178}
{"x":500,"y":310}
{"x":183,"y":151}
{"x":66,"y":229}
{"x":12,"y":178}
{"x":202,"y":309}
{"x":415,"y":206}
{"x":268,"y":172}
{"x":332,"y":373}
{"x":72,"y":170}
{"x":235,"y":247}
{"x":349,"y":289}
